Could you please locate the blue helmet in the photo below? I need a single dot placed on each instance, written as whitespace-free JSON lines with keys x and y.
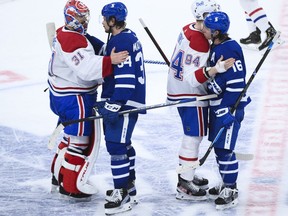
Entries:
{"x":217,"y":21}
{"x":115,"y":9}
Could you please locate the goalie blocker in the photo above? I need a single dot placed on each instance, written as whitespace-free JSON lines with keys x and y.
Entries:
{"x":71,"y":167}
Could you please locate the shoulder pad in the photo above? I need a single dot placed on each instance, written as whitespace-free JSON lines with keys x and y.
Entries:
{"x":198,"y":42}
{"x":71,"y":41}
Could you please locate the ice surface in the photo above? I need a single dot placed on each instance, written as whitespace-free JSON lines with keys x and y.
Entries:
{"x":26,"y":121}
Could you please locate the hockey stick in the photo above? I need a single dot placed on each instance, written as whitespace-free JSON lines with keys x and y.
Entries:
{"x":61,"y":126}
{"x":154,"y":41}
{"x":240,"y":156}
{"x":155,"y":62}
{"x":203,"y":159}
{"x":50,"y":30}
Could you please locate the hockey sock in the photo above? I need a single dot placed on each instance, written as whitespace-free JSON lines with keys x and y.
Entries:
{"x":188,"y":154}
{"x":228,"y":165}
{"x":120,"y":170}
{"x":132,"y":155}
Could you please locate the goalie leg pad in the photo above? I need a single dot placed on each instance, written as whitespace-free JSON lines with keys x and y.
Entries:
{"x":77,"y":166}
{"x":73,"y":173}
{"x":57,"y":160}
{"x":70,"y":170}
{"x":83,"y":182}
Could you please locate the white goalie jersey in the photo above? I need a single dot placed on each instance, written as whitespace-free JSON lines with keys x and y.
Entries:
{"x":74,"y":68}
{"x":185,"y":77}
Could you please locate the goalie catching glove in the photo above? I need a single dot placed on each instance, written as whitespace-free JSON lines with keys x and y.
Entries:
{"x":109,"y":111}
{"x":225,"y":116}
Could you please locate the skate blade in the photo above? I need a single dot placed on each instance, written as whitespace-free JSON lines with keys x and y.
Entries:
{"x":133,"y":200}
{"x":252,"y":47}
{"x":74,"y":199}
{"x":212,"y":197}
{"x":54,"y":189}
{"x":123,"y":208}
{"x":255,"y":47}
{"x":227,"y":206}
{"x":182,"y":196}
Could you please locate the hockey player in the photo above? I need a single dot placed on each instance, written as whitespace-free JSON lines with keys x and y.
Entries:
{"x":228,"y":87}
{"x":75,"y":71}
{"x":187,"y":78}
{"x":124,"y":90}
{"x":258,"y":22}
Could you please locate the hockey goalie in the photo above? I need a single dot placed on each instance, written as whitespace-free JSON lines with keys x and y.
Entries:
{"x":76,"y":69}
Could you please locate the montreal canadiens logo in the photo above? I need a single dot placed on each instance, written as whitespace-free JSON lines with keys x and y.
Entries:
{"x":81,"y":6}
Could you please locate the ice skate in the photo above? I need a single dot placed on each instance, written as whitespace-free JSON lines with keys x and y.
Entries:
{"x":253,"y":38}
{"x":227,"y":198}
{"x":187,"y":190}
{"x":131,"y":191}
{"x":75,"y":197}
{"x":118,"y":201}
{"x":270,"y":33}
{"x":256,"y":47}
{"x":200,"y":182}
{"x":214,"y":192}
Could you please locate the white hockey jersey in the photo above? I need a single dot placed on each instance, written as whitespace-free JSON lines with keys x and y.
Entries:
{"x":74,"y":68}
{"x":185,"y":77}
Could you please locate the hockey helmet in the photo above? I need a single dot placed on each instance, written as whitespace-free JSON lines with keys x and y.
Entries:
{"x":115,"y":9}
{"x":202,"y":7}
{"x":217,"y":21}
{"x":77,"y":16}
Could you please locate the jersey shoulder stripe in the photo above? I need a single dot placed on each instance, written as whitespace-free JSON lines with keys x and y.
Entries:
{"x":71,"y":40}
{"x":198,"y":42}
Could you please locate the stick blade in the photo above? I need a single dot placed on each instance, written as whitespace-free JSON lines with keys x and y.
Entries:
{"x":50,"y":29}
{"x":54,"y":136}
{"x":244,"y":157}
{"x":206,"y":97}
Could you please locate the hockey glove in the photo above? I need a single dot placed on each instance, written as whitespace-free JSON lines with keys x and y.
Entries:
{"x":110,"y":111}
{"x":225,"y":117}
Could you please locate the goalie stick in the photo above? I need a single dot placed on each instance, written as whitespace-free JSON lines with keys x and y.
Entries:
{"x":203,"y":159}
{"x":50,"y":30}
{"x":62,"y":125}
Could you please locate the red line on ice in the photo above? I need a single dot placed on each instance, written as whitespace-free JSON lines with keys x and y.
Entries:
{"x":269,"y":163}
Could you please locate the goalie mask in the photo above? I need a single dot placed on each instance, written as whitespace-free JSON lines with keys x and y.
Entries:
{"x":77,"y":16}
{"x":201,"y":8}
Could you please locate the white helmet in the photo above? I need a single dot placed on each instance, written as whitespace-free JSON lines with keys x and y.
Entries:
{"x":201,"y":7}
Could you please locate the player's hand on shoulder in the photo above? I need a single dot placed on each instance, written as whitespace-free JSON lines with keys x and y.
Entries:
{"x":222,"y":66}
{"x":118,"y":57}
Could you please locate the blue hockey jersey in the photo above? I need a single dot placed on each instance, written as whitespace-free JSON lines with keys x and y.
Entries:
{"x":128,"y":83}
{"x":97,"y":44}
{"x":228,"y":85}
